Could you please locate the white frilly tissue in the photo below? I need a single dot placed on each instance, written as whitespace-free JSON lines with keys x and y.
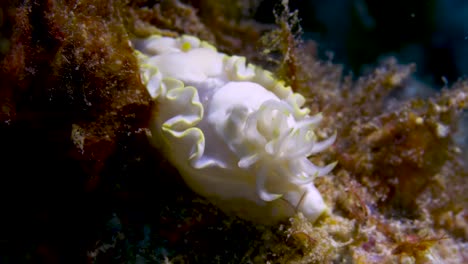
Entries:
{"x":237,"y":135}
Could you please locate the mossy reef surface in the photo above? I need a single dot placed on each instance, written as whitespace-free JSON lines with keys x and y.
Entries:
{"x":81,"y":184}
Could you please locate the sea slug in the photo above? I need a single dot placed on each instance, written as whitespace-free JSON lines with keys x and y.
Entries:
{"x":237,"y":135}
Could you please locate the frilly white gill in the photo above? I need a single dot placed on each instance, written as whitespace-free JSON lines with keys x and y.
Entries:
{"x":237,"y":135}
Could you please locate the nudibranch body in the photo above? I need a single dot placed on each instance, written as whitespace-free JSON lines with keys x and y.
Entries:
{"x":237,"y":135}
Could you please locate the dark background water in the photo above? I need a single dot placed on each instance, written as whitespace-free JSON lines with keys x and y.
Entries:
{"x":431,"y":33}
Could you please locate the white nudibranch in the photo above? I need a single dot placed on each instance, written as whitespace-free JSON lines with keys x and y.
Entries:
{"x":237,"y":135}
